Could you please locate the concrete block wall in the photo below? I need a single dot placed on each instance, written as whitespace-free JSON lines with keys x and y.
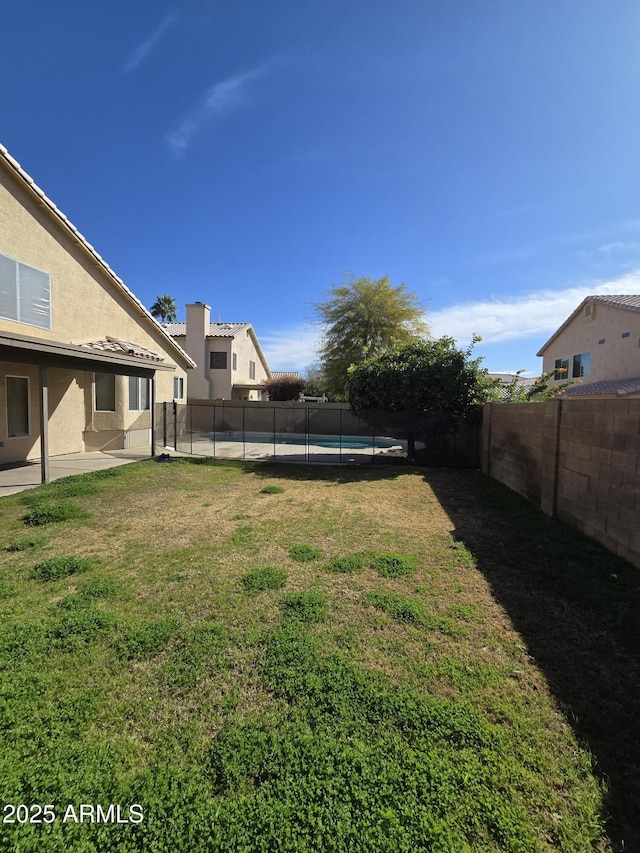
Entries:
{"x":578,"y":460}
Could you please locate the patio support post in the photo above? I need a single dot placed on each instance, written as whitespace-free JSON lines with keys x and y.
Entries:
{"x":44,"y":423}
{"x":153,"y":415}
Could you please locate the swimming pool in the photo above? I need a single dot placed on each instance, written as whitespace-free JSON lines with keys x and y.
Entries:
{"x":333,"y":442}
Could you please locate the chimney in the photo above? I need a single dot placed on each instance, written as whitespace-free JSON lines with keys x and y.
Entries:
{"x":198,"y":319}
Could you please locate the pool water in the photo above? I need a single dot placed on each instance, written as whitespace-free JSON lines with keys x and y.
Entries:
{"x":347,"y":442}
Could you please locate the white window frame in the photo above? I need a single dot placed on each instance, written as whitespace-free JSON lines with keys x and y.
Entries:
{"x":6,"y":390}
{"x":17,"y":284}
{"x":252,"y":369}
{"x":95,"y":392}
{"x":178,"y":385}
{"x":138,"y":402}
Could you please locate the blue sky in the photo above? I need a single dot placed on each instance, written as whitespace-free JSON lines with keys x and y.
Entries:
{"x":248,"y":153}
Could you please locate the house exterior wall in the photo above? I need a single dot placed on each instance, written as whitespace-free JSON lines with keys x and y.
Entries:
{"x":207,"y":383}
{"x":86,"y":305}
{"x":615,"y":358}
{"x":576,"y":459}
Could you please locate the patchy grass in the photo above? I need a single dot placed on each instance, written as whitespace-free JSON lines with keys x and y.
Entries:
{"x":264,"y":578}
{"x":463,"y":678}
{"x":304,"y":553}
{"x":26,"y":543}
{"x":60,"y":567}
{"x":51,"y":513}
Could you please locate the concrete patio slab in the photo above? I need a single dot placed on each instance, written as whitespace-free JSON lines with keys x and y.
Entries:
{"x":23,"y":476}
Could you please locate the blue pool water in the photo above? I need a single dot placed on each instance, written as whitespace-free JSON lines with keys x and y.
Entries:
{"x":347,"y":442}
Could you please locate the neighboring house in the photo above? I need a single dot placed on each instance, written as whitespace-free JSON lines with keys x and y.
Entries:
{"x":506,"y":380}
{"x":230,"y":362}
{"x":81,"y":359}
{"x":598,"y":347}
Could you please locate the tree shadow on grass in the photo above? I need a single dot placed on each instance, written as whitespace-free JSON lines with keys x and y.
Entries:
{"x":575,"y":605}
{"x":577,"y":608}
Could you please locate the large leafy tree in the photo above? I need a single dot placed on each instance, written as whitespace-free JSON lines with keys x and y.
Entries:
{"x":431,"y":375}
{"x":361,"y":318}
{"x":164,"y":309}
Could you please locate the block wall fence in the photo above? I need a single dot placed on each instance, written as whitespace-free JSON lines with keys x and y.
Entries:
{"x":577,"y":460}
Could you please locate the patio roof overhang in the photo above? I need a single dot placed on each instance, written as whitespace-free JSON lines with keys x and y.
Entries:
{"x":22,"y":349}
{"x":28,"y":350}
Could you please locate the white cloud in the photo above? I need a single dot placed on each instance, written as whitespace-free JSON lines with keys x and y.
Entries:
{"x":217,"y":102}
{"x":294,"y":348}
{"x":537,"y":314}
{"x":143,"y":50}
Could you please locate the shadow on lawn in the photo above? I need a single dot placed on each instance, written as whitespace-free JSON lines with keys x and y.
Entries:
{"x":575,"y":605}
{"x":577,"y":608}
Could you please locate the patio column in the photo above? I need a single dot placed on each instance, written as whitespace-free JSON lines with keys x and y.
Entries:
{"x":153,"y":415}
{"x":44,"y":424}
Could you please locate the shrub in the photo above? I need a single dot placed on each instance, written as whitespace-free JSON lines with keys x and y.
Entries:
{"x":148,"y":638}
{"x":272,"y":490}
{"x":285,"y":388}
{"x":306,"y":606}
{"x":50,"y":513}
{"x":29,"y":543}
{"x":304,"y":553}
{"x":393,"y":565}
{"x":60,"y":567}
{"x":265,"y":578}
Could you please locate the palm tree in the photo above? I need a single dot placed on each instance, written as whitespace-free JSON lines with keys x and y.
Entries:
{"x":165,"y":308}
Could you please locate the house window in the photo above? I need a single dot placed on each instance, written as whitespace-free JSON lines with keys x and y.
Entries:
{"x":252,"y":370}
{"x":234,"y":360}
{"x":218,"y":361}
{"x":25,"y":293}
{"x":138,"y":394}
{"x":581,"y":365}
{"x":626,"y":335}
{"x":561,"y":368}
{"x":105,"y":392}
{"x":178,"y":387}
{"x":17,"y":406}
{"x":601,"y":341}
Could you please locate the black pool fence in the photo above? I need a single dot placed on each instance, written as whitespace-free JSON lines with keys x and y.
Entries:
{"x":323,"y":432}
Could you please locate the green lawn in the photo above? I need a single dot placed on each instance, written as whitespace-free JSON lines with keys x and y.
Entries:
{"x":368,"y":659}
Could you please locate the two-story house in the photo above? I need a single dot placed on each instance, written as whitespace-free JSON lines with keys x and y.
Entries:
{"x":82,"y":361}
{"x":598,"y":347}
{"x":230,"y":361}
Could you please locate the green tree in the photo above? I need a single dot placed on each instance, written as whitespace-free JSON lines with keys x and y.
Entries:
{"x":431,"y":375}
{"x":165,"y":309}
{"x":361,"y":318}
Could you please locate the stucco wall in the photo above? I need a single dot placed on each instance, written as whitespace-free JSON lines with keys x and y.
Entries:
{"x":576,"y":459}
{"x":86,"y":305}
{"x":616,"y":358}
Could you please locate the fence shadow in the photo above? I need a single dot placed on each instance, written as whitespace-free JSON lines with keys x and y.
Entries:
{"x":577,"y":608}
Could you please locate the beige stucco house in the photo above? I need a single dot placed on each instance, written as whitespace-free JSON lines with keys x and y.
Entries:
{"x":598,"y":347}
{"x":230,"y":362}
{"x":82,"y":361}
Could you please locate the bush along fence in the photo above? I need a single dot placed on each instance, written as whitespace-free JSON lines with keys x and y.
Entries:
{"x":326,"y":432}
{"x":578,"y":460}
